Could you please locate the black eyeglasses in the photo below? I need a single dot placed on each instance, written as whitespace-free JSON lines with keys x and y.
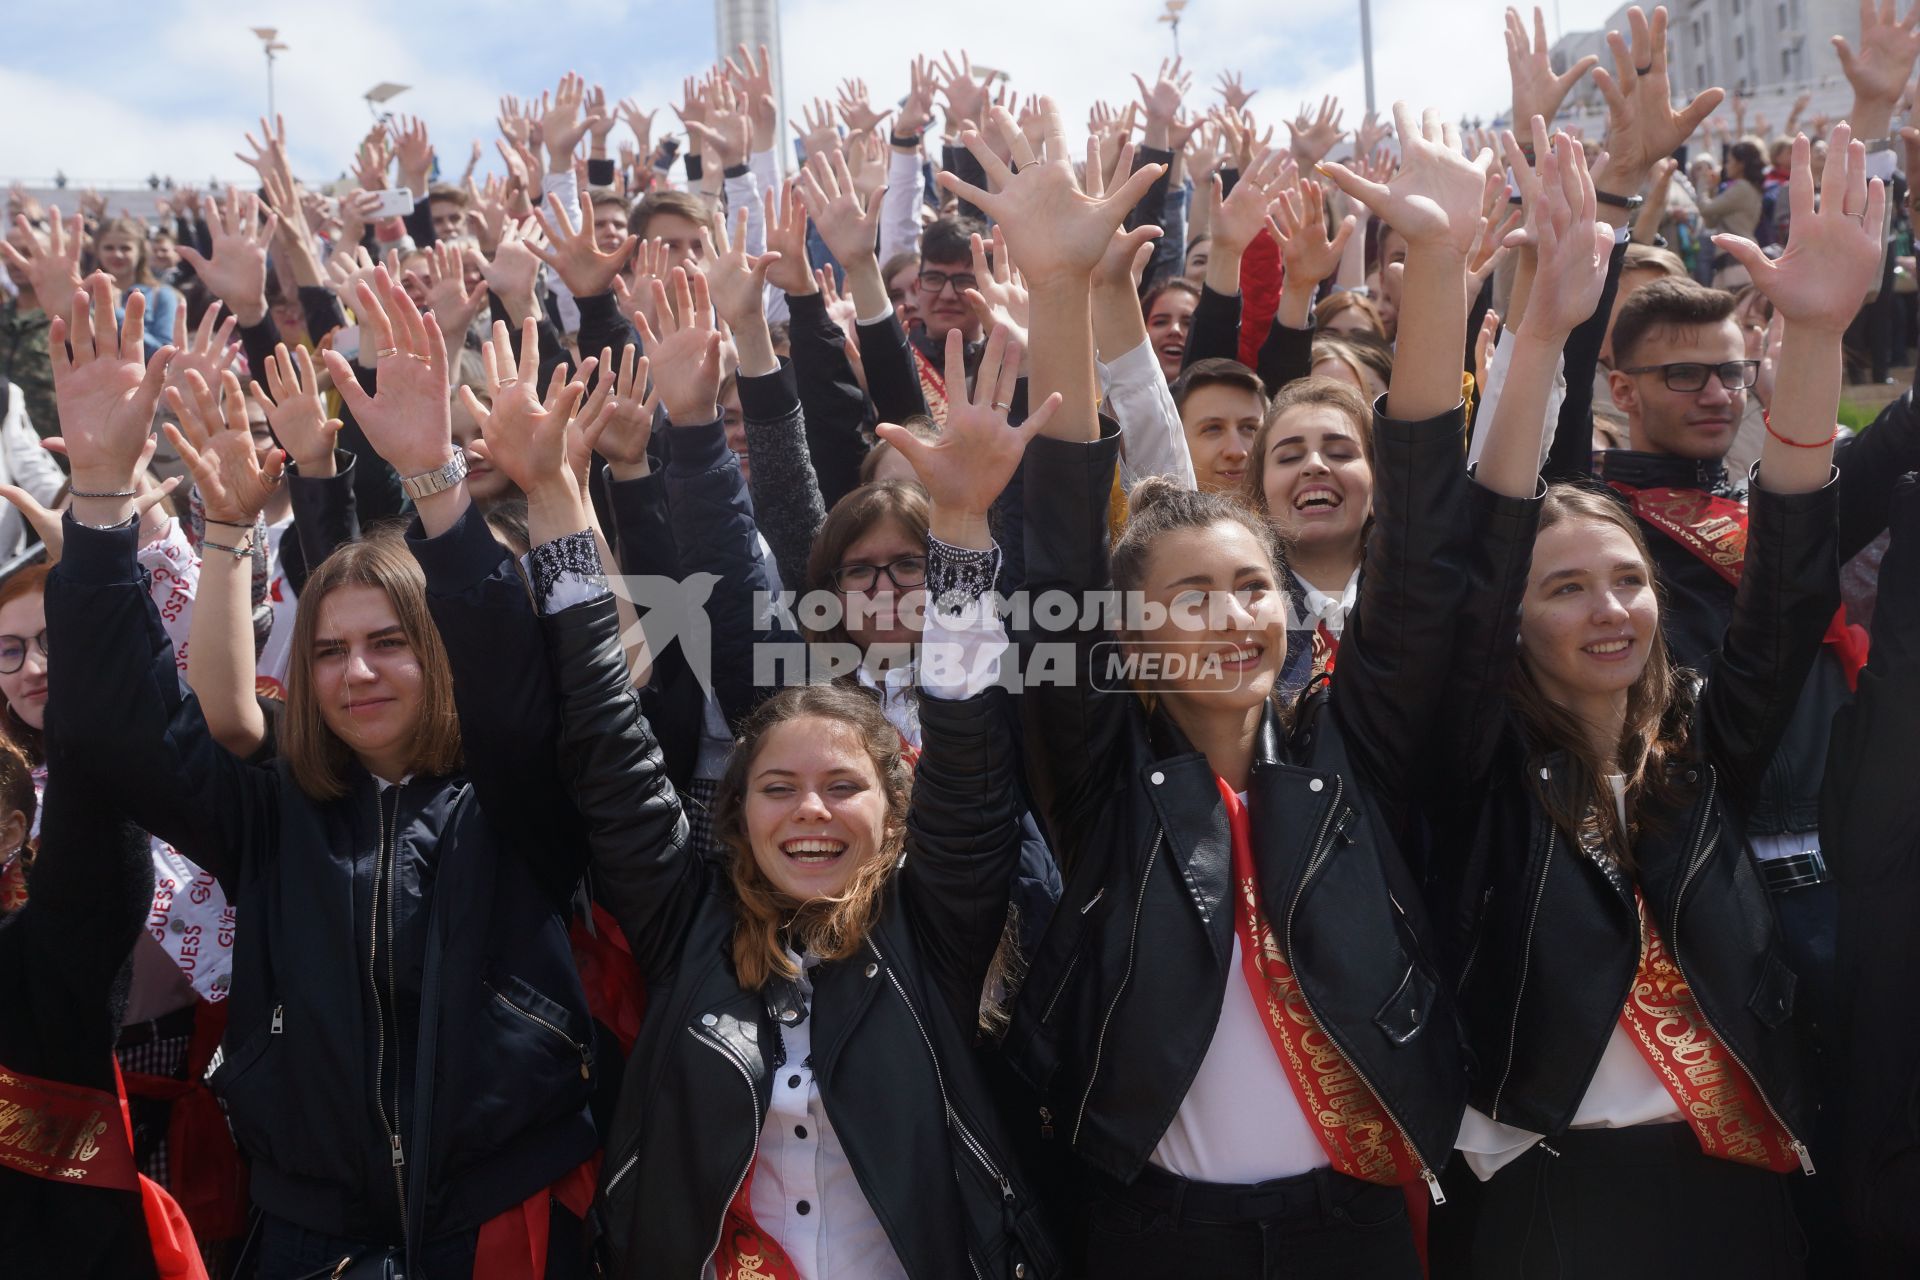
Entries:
{"x":932,"y":282}
{"x":13,"y":649}
{"x":907,"y":571}
{"x":1735,"y":375}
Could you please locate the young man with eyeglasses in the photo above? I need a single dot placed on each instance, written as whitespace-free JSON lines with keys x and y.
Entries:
{"x":1681,"y":375}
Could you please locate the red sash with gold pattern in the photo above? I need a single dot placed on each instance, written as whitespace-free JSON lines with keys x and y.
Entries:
{"x":1711,"y":1089}
{"x":746,"y":1251}
{"x":64,"y":1133}
{"x":933,"y":387}
{"x":1360,"y":1138}
{"x":1326,"y":649}
{"x":1714,"y":529}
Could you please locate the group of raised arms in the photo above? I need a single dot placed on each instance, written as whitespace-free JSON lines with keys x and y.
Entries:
{"x":1143,"y":702}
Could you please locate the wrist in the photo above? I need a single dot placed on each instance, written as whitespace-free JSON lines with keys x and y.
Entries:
{"x":630,"y":470}
{"x":960,"y":528}
{"x":319,"y":467}
{"x":250,"y":312}
{"x":1871,"y":117}
{"x":693,"y":413}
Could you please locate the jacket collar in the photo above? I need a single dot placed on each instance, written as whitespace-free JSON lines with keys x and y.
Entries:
{"x":1665,"y":471}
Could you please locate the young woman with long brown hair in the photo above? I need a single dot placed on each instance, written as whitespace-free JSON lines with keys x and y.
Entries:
{"x":1636,"y":1076}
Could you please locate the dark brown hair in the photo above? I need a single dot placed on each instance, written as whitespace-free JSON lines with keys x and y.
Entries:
{"x":136,"y":231}
{"x":1157,"y":506}
{"x":767,"y":921}
{"x":1216,"y":371}
{"x":319,"y":760}
{"x":919,"y":423}
{"x":1350,"y":300}
{"x":900,"y":501}
{"x":687,"y":206}
{"x":1172,"y":284}
{"x":1330,"y":392}
{"x":1667,"y":305}
{"x":949,"y":238}
{"x":1659,"y":711}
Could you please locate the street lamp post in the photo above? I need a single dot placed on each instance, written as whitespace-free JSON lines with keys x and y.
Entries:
{"x":1366,"y":48}
{"x":380,"y":94}
{"x":271,"y":46}
{"x":1172,"y":18}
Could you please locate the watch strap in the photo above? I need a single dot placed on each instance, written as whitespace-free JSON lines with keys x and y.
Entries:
{"x":441,"y":478}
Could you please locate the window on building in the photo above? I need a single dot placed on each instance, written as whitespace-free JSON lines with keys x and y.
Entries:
{"x":1786,"y":64}
{"x":1739,"y":48}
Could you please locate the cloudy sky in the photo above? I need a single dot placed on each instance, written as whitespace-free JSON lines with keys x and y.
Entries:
{"x":168,"y":86}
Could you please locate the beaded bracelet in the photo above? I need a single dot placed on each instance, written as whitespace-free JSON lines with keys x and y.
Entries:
{"x":122,"y":493}
{"x":240,"y":552}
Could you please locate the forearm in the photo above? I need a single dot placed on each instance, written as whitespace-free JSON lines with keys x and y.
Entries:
{"x":1062,"y":357}
{"x":1296,"y":302}
{"x":1526,"y":262}
{"x":1510,"y":458}
{"x":1433,"y":333}
{"x":1223,"y":266}
{"x":1353,"y":259}
{"x":1805,"y":399}
{"x":899,"y":227}
{"x":1118,"y":326}
{"x":220,"y":660}
{"x":864,"y":282}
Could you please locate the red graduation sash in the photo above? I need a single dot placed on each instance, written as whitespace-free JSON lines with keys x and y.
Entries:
{"x":746,"y":1251}
{"x":64,"y":1133}
{"x":1719,"y":1099}
{"x":1714,"y":529}
{"x":1360,"y":1138}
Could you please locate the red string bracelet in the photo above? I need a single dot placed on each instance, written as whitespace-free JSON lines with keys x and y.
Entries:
{"x":1766,"y":417}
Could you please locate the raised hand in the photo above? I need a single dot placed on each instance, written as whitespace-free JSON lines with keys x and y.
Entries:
{"x":413,"y":151}
{"x":916,"y":110}
{"x":1314,"y":137}
{"x":867,"y":163}
{"x":736,"y":279}
{"x":1537,"y":89}
{"x":525,"y":437}
{"x":572,"y":253}
{"x":856,"y":109}
{"x":1642,"y":125}
{"x":409,"y":423}
{"x":600,"y":121}
{"x":513,"y":266}
{"x":1888,"y":47}
{"x":685,"y":350}
{"x":347,"y":268}
{"x":1125,"y":261}
{"x":1240,"y":215}
{"x":786,"y":219}
{"x":208,"y":351}
{"x":849,"y":227}
{"x":1301,"y":232}
{"x":617,"y":420}
{"x":448,"y":297}
{"x":487,"y":211}
{"x":105,"y":393}
{"x":728,"y":132}
{"x":999,"y":297}
{"x":296,"y":411}
{"x":641,"y":122}
{"x":964,"y":469}
{"x":1370,"y":136}
{"x":818,"y":134}
{"x":1438,"y":194}
{"x":237,"y":272}
{"x":966,"y":96}
{"x":1833,"y":252}
{"x":51,"y":263}
{"x":217,"y":445}
{"x":1557,"y":194}
{"x":1233,"y":91}
{"x":1161,"y":101}
{"x":753,"y":79}
{"x":634,"y":289}
{"x":373,"y":159}
{"x":562,"y":124}
{"x":1055,"y":229}
{"x":269,"y":158}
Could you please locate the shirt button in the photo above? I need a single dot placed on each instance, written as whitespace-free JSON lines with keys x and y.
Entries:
{"x":803,"y":1208}
{"x":793,"y":1082}
{"x":1156,"y":777}
{"x":178,"y":925}
{"x":1316,"y":785}
{"x":799,"y":1131}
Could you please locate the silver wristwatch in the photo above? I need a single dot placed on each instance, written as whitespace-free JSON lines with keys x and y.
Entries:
{"x":428,"y":483}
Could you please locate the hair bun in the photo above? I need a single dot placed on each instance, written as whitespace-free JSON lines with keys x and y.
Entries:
{"x":1154,"y":492}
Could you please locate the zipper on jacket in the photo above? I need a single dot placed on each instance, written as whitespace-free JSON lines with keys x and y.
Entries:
{"x":1702,"y":850}
{"x":959,"y":1126}
{"x":1526,"y":963}
{"x":279,"y":1020}
{"x":759,"y":1122}
{"x":1322,"y":849}
{"x":1479,"y":936}
{"x":383,"y":873}
{"x":1060,"y":988}
{"x":586,"y":1058}
{"x":1126,"y":976}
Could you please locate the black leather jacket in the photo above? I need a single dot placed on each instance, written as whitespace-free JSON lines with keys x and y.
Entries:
{"x":893,"y":1025}
{"x":1547,"y":937}
{"x":1123,"y":997}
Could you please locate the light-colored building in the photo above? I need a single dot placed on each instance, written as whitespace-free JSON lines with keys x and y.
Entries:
{"x":755,"y":23}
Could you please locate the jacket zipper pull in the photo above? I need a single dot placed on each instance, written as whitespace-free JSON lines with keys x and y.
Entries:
{"x":1433,"y":1186}
{"x":1806,"y":1157}
{"x":1006,"y":1189}
{"x":279,"y":1019}
{"x":1046,"y":1123}
{"x":399,"y":1157}
{"x":586,"y":1064}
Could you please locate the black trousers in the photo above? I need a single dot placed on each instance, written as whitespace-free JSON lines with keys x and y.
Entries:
{"x":1640,"y":1201}
{"x":1317,"y":1225}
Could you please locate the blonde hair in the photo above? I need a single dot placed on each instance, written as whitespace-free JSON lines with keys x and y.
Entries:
{"x":767,"y":922}
{"x":318,"y":759}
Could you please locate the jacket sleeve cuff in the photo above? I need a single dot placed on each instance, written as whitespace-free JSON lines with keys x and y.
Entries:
{"x":100,"y":557}
{"x":1442,"y":429}
{"x":600,"y":308}
{"x":1792,"y":514}
{"x":342,"y":472}
{"x":1050,"y":455}
{"x":767,"y":397}
{"x":701,"y":447}
{"x":807,"y":306}
{"x":461,"y":558}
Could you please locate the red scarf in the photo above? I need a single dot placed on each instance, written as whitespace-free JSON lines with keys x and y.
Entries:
{"x":1714,"y":529}
{"x":1715,"y":1094}
{"x":1360,"y":1138}
{"x":66,"y":1134}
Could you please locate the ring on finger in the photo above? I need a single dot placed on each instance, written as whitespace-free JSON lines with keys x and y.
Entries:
{"x":1001,"y":405}
{"x":506,"y":382}
{"x":384,"y":352}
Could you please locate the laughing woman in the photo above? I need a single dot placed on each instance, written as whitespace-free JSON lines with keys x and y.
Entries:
{"x":804,"y":1100}
{"x":1231,"y":1019}
{"x":1623,"y":992}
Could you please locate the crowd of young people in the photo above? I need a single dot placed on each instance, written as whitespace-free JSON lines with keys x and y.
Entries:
{"x":991,"y":707}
